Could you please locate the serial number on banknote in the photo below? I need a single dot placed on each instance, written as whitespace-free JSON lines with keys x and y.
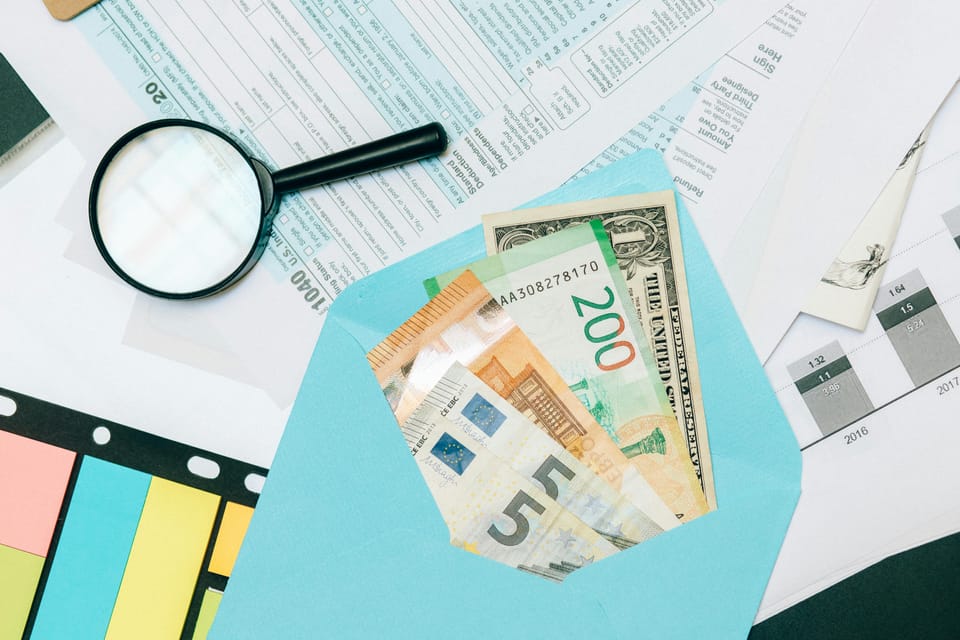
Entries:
{"x":555,"y":280}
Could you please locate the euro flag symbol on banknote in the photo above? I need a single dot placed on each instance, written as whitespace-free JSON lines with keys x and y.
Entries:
{"x":483,"y":414}
{"x":452,"y":453}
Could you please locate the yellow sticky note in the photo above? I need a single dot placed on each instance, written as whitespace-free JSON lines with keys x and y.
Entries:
{"x":233,"y":527}
{"x":208,"y":610}
{"x":165,"y":559}
{"x":19,"y":575}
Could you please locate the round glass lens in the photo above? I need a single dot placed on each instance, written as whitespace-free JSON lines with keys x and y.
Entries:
{"x":178,"y":209}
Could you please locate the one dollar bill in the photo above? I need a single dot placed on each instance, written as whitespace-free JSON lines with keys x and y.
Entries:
{"x":644,"y":232}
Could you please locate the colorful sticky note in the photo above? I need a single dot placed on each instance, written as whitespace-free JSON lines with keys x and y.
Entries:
{"x":208,"y":610}
{"x":164,"y":562}
{"x":233,"y":526}
{"x":92,"y":551}
{"x":19,"y":576}
{"x":33,"y":479}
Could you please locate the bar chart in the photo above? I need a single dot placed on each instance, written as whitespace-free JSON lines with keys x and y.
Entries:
{"x":831,"y":379}
{"x":917,"y":328}
{"x":830,"y":388}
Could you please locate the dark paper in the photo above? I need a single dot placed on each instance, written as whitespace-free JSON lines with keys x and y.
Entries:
{"x":913,"y":594}
{"x":20,"y":111}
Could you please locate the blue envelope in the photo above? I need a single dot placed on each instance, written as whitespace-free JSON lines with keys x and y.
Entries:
{"x":346,"y":541}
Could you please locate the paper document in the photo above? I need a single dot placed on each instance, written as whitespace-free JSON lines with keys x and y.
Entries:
{"x":852,"y":140}
{"x":875,"y":412}
{"x":295,"y":79}
{"x":723,"y":133}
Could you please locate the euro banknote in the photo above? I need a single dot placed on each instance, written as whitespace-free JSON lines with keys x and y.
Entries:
{"x":493,"y":424}
{"x":464,"y":324}
{"x":490,"y":509}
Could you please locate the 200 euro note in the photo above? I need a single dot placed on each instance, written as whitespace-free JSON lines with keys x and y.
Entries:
{"x":644,"y":232}
{"x":465,"y":324}
{"x":566,"y":292}
{"x":492,"y":423}
{"x":493,"y":511}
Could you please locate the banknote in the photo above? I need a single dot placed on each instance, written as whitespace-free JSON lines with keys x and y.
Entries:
{"x":464,"y":324}
{"x":848,"y":289}
{"x":493,"y":511}
{"x":566,"y":292}
{"x":644,"y":232}
{"x":492,"y":423}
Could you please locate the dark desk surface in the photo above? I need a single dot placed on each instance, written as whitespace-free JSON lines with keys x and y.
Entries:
{"x":915,"y":594}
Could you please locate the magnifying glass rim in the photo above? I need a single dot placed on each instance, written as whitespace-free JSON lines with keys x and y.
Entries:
{"x":256,"y":246}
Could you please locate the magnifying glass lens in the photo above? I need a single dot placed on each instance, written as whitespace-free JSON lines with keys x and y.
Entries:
{"x":178,"y":209}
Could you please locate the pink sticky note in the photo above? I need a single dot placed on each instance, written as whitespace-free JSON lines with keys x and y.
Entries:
{"x":33,"y":478}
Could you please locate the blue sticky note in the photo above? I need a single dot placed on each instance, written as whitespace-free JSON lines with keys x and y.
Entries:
{"x":346,"y":541}
{"x":92,"y":554}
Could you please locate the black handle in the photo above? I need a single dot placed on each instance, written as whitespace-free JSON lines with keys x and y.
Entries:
{"x":407,"y":146}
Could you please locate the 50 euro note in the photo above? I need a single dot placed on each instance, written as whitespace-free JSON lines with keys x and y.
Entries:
{"x":490,"y":509}
{"x":490,"y":422}
{"x":644,"y":233}
{"x":566,"y":293}
{"x":464,"y":324}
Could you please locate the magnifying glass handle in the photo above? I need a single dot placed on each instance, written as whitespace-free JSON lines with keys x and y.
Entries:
{"x":407,"y":146}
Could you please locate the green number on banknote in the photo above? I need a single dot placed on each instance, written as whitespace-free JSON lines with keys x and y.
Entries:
{"x":626,"y":348}
{"x":579,"y":303}
{"x":513,"y":512}
{"x":542,"y":475}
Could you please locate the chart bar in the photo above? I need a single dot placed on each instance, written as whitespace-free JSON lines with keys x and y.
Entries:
{"x":830,"y":388}
{"x":952,"y":220}
{"x":917,"y":328}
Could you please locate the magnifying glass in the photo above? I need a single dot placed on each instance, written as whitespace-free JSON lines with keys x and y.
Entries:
{"x":179,"y":210}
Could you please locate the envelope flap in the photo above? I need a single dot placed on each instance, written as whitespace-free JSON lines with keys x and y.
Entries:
{"x":371,"y":308}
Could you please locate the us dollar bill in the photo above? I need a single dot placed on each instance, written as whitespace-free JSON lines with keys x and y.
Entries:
{"x":644,"y":232}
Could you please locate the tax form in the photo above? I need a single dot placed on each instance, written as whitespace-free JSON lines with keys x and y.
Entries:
{"x":529,"y":91}
{"x":721,"y":134}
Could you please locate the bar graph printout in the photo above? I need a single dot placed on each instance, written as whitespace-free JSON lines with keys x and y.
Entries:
{"x":875,"y":411}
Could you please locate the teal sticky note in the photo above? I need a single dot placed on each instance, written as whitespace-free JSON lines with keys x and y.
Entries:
{"x":346,"y":541}
{"x":92,"y":553}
